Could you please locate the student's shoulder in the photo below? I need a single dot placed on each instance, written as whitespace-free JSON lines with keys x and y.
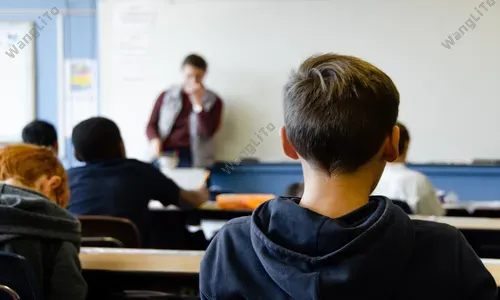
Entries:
{"x":234,"y":233}
{"x":227,"y":256}
{"x":142,"y":170}
{"x":231,"y":238}
{"x":436,"y":244}
{"x":235,"y":227}
{"x":137,"y":164}
{"x":441,"y":229}
{"x":437,"y":234}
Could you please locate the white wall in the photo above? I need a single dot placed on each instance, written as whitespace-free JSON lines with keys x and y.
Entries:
{"x":17,"y":77}
{"x":449,"y":97}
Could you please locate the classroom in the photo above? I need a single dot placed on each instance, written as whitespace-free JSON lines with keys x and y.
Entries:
{"x":249,"y":149}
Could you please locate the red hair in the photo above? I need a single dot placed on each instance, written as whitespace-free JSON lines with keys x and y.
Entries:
{"x":27,"y":163}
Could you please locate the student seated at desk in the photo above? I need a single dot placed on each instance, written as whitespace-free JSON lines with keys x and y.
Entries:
{"x":400,"y":183}
{"x":112,"y":185}
{"x":34,"y":223}
{"x":337,"y":242}
{"x":41,"y":133}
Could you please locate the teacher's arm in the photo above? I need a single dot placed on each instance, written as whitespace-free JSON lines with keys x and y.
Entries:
{"x":152,"y":128}
{"x":209,"y":121}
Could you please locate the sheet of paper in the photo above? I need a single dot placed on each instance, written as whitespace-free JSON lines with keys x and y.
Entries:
{"x":133,"y":24}
{"x":157,"y":205}
{"x":211,"y":227}
{"x":187,"y":178}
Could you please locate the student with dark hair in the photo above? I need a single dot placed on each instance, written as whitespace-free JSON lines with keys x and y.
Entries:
{"x":110,"y":184}
{"x":337,"y":242}
{"x":34,"y":223}
{"x":398,"y":182}
{"x":186,"y":117}
{"x":41,"y":133}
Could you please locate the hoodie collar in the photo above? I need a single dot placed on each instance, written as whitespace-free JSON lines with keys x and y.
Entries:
{"x":25,"y":212}
{"x":326,"y":256}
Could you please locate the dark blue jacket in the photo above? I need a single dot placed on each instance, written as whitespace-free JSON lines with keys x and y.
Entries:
{"x":120,"y":188}
{"x":285,"y":251}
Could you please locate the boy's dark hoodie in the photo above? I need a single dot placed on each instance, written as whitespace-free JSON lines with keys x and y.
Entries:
{"x":285,"y":251}
{"x":47,"y":236}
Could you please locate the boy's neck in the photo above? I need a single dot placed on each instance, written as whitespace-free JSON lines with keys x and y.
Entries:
{"x":337,"y":195}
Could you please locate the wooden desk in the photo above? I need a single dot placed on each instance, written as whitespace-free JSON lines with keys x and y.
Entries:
{"x":493,"y":265}
{"x":464,"y":223}
{"x":487,"y":209}
{"x":473,"y":205}
{"x":141,"y":260}
{"x":111,"y":270}
{"x":170,"y":262}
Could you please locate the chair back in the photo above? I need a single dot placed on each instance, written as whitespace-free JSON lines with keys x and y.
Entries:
{"x":104,"y":231}
{"x":403,"y":205}
{"x":17,"y":281}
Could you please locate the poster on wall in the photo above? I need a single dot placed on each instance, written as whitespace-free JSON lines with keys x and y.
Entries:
{"x":134,"y":22}
{"x":81,"y":92}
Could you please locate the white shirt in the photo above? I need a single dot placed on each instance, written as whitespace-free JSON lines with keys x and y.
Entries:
{"x":400,"y":183}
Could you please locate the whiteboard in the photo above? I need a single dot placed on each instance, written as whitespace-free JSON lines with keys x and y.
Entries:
{"x":449,"y":97}
{"x":17,"y":79}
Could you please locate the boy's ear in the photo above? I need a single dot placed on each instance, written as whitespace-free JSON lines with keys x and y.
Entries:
{"x":288,"y":149}
{"x":391,"y":147}
{"x":54,"y":182}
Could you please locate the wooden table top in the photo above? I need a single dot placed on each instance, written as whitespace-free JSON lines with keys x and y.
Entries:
{"x":170,"y":261}
{"x":472,"y":206}
{"x":141,"y":260}
{"x":493,"y":265}
{"x":464,"y":222}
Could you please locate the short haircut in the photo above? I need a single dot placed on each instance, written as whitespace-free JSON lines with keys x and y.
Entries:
{"x":338,"y":111}
{"x":27,"y":163}
{"x":40,"y":133}
{"x":404,"y":137}
{"x":195,"y":61}
{"x":97,"y":139}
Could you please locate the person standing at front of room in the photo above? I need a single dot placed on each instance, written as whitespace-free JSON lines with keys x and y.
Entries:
{"x":186,"y":117}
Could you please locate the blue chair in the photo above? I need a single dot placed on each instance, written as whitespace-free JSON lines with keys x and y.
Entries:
{"x":17,"y":280}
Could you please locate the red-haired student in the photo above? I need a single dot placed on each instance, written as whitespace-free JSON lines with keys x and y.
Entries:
{"x":34,"y":223}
